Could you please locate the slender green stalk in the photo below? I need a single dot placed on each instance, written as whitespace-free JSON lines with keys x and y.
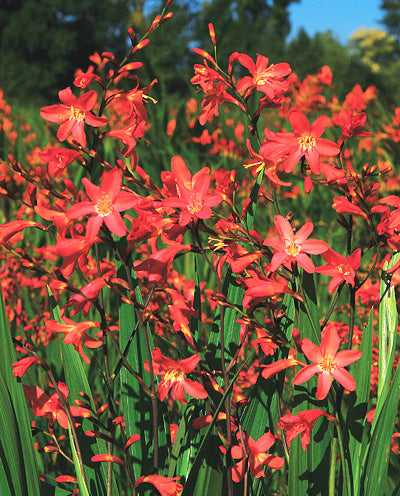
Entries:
{"x":332,"y":468}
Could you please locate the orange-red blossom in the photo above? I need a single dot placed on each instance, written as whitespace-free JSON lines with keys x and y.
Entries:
{"x":292,"y":248}
{"x":72,"y":114}
{"x":328,"y":362}
{"x":256,"y":455}
{"x":173,"y":377}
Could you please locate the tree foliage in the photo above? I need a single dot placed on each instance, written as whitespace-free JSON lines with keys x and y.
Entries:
{"x":43,"y":42}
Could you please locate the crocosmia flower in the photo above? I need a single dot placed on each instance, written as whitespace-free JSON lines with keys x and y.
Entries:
{"x":166,"y":486}
{"x":256,"y":454}
{"x":305,"y":141}
{"x":340,"y":268}
{"x":173,"y":377}
{"x":328,"y":362}
{"x":190,"y":194}
{"x":291,"y":247}
{"x":269,"y":79}
{"x":107,"y":201}
{"x":72,"y":114}
{"x":302,"y":423}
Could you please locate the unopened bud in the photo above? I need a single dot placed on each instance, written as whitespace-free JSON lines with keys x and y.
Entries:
{"x":132,"y":36}
{"x":141,"y":44}
{"x":110,"y":57}
{"x":166,"y":17}
{"x":204,"y":54}
{"x":212,"y":33}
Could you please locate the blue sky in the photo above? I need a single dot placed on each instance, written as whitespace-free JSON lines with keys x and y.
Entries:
{"x":342,"y":17}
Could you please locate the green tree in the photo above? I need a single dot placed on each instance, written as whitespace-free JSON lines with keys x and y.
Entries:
{"x":306,"y":55}
{"x":43,"y":42}
{"x":391,"y":18}
{"x":250,"y":26}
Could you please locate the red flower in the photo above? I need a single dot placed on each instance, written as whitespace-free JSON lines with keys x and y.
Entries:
{"x":87,"y":295}
{"x":305,"y":141}
{"x":340,"y":268}
{"x":107,"y":458}
{"x":267,"y":79}
{"x":73,"y":114}
{"x":10,"y":229}
{"x":173,"y":377}
{"x":58,"y":159}
{"x":157,"y":265}
{"x":328,"y":362}
{"x":342,"y":205}
{"x":22,"y":365}
{"x":260,"y":287}
{"x":166,"y":486}
{"x":292,"y":248}
{"x":302,"y":423}
{"x":257,"y":456}
{"x":107,"y":201}
{"x":72,"y":250}
{"x":353,"y":126}
{"x":75,"y":334}
{"x":276,"y":367}
{"x":50,"y":407}
{"x":192,"y":193}
{"x":268,"y":159}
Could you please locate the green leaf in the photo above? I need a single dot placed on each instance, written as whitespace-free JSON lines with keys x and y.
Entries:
{"x":51,"y":489}
{"x":376,"y":467}
{"x":234,"y":294}
{"x":136,"y":404}
{"x":199,"y":466}
{"x":186,"y":442}
{"x":77,"y":381}
{"x":358,"y":404}
{"x":19,"y":468}
{"x":195,"y":322}
{"x":78,"y":469}
{"x":310,"y":468}
{"x":387,"y":333}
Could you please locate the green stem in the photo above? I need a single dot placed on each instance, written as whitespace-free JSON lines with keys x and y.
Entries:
{"x":332,"y":468}
{"x":346,"y":479}
{"x":317,"y":332}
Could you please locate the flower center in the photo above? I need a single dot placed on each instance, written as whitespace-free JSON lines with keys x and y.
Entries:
{"x":174,"y":375}
{"x":343,"y":269}
{"x":104,"y":206}
{"x":328,"y":364}
{"x":194,"y":205}
{"x":77,"y":114}
{"x":306,"y":142}
{"x":262,"y":78}
{"x":292,"y":247}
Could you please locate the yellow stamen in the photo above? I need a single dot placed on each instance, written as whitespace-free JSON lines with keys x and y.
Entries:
{"x":77,"y":114}
{"x":174,"y":375}
{"x":328,"y":364}
{"x":104,"y":206}
{"x":306,"y":142}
